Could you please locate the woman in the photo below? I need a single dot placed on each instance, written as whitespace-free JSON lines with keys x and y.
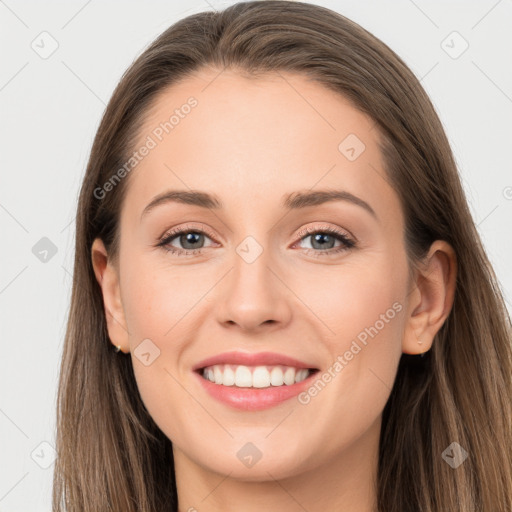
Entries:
{"x":367,"y":370}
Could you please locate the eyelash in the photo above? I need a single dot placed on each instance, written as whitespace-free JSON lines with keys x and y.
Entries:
{"x":171,"y":235}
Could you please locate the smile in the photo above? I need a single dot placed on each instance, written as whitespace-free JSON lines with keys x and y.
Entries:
{"x":242,"y":376}
{"x":252,"y":382}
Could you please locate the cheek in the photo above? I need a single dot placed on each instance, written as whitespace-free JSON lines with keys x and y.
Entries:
{"x":362,"y":315}
{"x":369,"y":309}
{"x":155,"y":299}
{"x":348,"y":300}
{"x":156,"y":302}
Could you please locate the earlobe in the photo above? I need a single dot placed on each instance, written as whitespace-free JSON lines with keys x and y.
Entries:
{"x":108,"y":279}
{"x":431,"y":298}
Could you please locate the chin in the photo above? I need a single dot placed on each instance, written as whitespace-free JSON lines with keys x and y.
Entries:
{"x":248,"y":463}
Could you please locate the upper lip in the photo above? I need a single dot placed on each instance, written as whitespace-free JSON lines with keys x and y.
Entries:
{"x":255,"y":359}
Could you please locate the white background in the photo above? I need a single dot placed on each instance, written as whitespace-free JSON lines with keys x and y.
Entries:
{"x":50,"y":110}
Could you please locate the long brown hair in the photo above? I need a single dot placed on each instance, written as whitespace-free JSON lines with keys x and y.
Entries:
{"x":112,"y":456}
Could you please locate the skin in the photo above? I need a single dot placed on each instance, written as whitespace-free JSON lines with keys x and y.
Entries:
{"x":249,"y":142}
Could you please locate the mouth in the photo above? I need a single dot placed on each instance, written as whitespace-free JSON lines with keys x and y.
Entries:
{"x":252,"y":382}
{"x":258,"y":377}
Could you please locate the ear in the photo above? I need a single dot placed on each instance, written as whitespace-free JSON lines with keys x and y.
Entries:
{"x":431,"y":298}
{"x":107,"y":276}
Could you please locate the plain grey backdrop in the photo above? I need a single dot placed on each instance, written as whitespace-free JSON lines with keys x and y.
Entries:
{"x":60,"y":62}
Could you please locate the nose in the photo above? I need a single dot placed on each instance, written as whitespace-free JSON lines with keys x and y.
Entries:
{"x":254,"y":296}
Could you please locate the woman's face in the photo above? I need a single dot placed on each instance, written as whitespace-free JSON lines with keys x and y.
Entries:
{"x":324,"y":282}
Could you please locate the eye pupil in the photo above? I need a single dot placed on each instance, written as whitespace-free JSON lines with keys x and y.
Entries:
{"x":321,"y":238}
{"x":190,"y":238}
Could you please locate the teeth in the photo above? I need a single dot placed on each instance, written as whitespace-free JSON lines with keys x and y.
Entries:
{"x":243,"y":377}
{"x":276,"y":377}
{"x":301,"y":375}
{"x":228,"y":378}
{"x":254,"y":377}
{"x":289,"y":376}
{"x":260,"y":377}
{"x":217,"y":373}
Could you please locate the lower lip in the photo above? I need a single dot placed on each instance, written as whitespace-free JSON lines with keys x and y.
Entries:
{"x":253,"y":399}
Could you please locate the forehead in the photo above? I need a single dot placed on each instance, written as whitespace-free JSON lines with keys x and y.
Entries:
{"x":248,"y":140}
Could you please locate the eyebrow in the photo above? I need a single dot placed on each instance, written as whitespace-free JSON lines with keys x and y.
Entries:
{"x":293,"y":201}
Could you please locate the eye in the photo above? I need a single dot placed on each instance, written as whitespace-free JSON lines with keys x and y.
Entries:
{"x":324,"y":238}
{"x":192,"y":239}
{"x":189,"y":238}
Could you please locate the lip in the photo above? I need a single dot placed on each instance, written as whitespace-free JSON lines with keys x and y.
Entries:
{"x":256,"y":359}
{"x":253,"y":399}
